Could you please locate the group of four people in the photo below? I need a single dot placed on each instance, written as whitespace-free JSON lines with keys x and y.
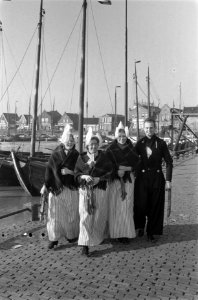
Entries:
{"x":111,"y":193}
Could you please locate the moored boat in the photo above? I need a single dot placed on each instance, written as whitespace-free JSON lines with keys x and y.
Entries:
{"x":30,"y":172}
{"x":7,"y":172}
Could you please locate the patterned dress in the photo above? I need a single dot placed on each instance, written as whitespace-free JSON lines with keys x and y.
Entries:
{"x":93,"y":200}
{"x":121,"y":222}
{"x":63,"y":202}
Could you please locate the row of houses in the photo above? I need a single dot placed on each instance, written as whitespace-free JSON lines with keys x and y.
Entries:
{"x":54,"y":121}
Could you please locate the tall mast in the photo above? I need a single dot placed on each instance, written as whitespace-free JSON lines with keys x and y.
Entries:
{"x":53,"y":107}
{"x":180,"y":96}
{"x":136,"y":92}
{"x":126,"y":70}
{"x":1,"y":64}
{"x":149,"y":106}
{"x":82,"y":80}
{"x":34,"y":121}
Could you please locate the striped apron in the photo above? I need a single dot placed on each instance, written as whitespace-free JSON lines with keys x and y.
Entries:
{"x":93,"y":227}
{"x":121,"y":222}
{"x":63,"y":216}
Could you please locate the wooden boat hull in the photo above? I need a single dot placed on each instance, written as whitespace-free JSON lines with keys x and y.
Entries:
{"x":30,"y":172}
{"x":7,"y":173}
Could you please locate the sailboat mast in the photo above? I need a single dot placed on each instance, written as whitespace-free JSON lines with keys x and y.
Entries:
{"x":126,"y":69}
{"x":149,"y":106}
{"x":34,"y":121}
{"x":82,"y":81}
{"x":180,"y":96}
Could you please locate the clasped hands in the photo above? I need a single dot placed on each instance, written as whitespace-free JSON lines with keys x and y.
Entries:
{"x":122,"y":170}
{"x":91,"y":163}
{"x":66,"y":171}
{"x":90,"y":179}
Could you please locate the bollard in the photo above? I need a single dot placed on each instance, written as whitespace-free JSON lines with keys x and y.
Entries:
{"x":35,"y":212}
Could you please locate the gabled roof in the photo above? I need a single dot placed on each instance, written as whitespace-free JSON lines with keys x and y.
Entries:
{"x":27,"y":117}
{"x":55,"y":115}
{"x":91,"y":121}
{"x":11,"y":118}
{"x":75,"y":119}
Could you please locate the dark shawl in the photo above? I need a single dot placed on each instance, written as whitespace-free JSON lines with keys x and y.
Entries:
{"x":124,"y":156}
{"x":102,"y":169}
{"x":54,"y":180}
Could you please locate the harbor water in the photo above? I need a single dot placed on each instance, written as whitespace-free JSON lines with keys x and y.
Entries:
{"x":43,"y":146}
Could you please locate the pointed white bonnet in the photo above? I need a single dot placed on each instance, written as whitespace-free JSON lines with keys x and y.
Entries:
{"x":121,"y":126}
{"x":90,"y":135}
{"x":68,"y":130}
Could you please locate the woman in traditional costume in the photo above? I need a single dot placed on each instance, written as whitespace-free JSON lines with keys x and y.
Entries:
{"x":121,"y":189}
{"x":92,"y":171}
{"x":63,"y":216}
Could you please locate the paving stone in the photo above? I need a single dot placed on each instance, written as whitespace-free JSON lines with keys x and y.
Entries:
{"x":166,"y":270}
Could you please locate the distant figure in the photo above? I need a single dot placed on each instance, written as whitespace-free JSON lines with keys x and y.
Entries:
{"x":121,"y":188}
{"x":150,"y":182}
{"x":63,"y":217}
{"x":92,"y":171}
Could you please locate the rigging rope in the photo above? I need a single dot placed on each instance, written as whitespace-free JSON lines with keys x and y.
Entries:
{"x":77,"y":53}
{"x":101,"y":58}
{"x":3,"y":60}
{"x":61,"y":56}
{"x":50,"y":94}
{"x":144,"y":92}
{"x":155,"y":91}
{"x":18,"y":66}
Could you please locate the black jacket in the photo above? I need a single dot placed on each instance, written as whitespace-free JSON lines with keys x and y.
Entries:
{"x":159,"y":154}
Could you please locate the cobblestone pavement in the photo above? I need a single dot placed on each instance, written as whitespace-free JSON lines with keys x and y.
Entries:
{"x":164,"y":270}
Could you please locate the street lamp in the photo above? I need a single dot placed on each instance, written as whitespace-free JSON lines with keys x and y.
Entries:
{"x":115,"y":118}
{"x":136,"y":62}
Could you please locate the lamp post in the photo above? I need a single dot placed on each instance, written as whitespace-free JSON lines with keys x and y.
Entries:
{"x":115,"y":118}
{"x":136,"y":92}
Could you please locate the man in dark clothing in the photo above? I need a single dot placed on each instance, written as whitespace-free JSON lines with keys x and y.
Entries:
{"x":150,"y":183}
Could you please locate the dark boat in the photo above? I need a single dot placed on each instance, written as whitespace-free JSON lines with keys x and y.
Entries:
{"x":30,"y":172}
{"x":8,"y":175}
{"x":7,"y":172}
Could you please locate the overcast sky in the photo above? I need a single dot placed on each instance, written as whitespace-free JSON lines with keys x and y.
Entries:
{"x":162,"y":34}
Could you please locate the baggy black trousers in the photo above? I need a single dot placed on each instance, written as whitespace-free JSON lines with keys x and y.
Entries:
{"x":149,"y":202}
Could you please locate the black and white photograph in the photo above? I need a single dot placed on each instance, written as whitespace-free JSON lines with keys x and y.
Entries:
{"x":98,"y":149}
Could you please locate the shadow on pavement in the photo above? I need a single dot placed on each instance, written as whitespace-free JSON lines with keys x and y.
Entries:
{"x":172,"y":234}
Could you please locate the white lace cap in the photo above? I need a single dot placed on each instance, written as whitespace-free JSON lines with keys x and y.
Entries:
{"x":90,"y":135}
{"x":121,"y":126}
{"x":68,"y":130}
